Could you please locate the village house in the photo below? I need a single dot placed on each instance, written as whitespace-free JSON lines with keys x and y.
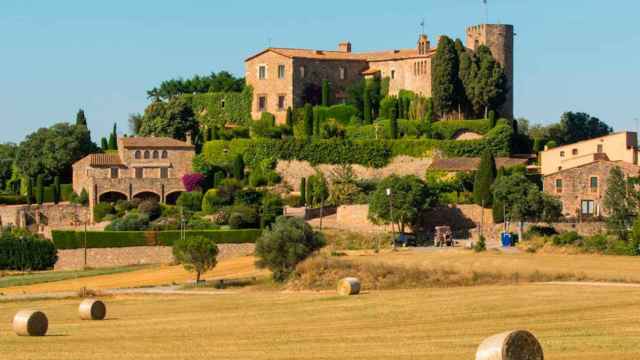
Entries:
{"x":284,"y":77}
{"x":142,"y":167}
{"x":577,"y":173}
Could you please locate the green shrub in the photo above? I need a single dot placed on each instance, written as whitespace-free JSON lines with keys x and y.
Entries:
{"x":133,"y":221}
{"x":567,"y":238}
{"x":242,"y":216}
{"x":101,"y":210}
{"x":248,"y":197}
{"x":196,"y":253}
{"x":289,"y":241}
{"x":113,"y":239}
{"x":191,"y":201}
{"x":447,"y":129}
{"x":65,"y":192}
{"x":150,"y":208}
{"x":12,"y":199}
{"x":342,"y":113}
{"x":481,"y":245}
{"x":538,"y":230}
{"x":26,"y":252}
{"x":212,"y":201}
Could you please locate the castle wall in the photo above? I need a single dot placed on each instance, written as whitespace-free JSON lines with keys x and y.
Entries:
{"x":410,"y":74}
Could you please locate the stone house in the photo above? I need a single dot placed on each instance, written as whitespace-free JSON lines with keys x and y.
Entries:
{"x":143,"y":167}
{"x":281,"y":76}
{"x":577,"y":173}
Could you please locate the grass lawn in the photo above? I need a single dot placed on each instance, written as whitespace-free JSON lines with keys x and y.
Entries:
{"x":50,"y":276}
{"x":572,"y":322}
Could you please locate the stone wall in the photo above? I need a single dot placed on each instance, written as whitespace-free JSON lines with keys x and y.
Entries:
{"x":354,"y":218}
{"x":52,"y":215}
{"x":143,"y":255}
{"x":293,"y":171}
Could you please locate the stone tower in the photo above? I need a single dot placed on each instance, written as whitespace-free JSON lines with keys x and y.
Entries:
{"x":498,"y":38}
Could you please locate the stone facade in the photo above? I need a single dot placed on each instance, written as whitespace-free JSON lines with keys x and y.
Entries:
{"x":280,"y":76}
{"x":142,"y":168}
{"x":52,"y":215}
{"x":581,"y":189}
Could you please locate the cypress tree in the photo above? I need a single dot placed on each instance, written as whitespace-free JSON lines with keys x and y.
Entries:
{"x":394,"y":123}
{"x":29,"y":190}
{"x":104,"y":144}
{"x":485,"y":176}
{"x":289,"y":120}
{"x":40,"y":189}
{"x":492,"y":119}
{"x":238,"y":167}
{"x":366,"y":106}
{"x":56,"y":189}
{"x":113,"y":138}
{"x":308,"y":120}
{"x":215,"y":135}
{"x":309,"y":194}
{"x":498,"y":206}
{"x":444,"y":70}
{"x":325,"y":93}
{"x":80,"y":118}
{"x":303,"y":191}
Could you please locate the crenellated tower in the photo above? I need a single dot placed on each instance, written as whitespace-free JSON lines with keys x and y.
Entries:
{"x":499,"y":39}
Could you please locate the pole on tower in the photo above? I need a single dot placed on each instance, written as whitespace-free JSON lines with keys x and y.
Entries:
{"x":486,"y":11}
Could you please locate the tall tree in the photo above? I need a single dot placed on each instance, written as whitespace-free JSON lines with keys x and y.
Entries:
{"x":56,"y":190}
{"x":220,"y":82}
{"x":490,"y":83}
{"x":308,"y":120}
{"x":80,"y":118}
{"x":135,"y":123}
{"x":366,"y":106}
{"x":485,"y":176}
{"x":7,"y":159}
{"x":620,"y":203}
{"x":444,"y":77}
{"x":174,"y":119}
{"x":325,"y":93}
{"x":104,"y":144}
{"x":40,"y":189}
{"x":29,"y":190}
{"x":113,"y":138}
{"x":394,"y":124}
{"x":289,"y":119}
{"x":581,"y":126}
{"x":238,"y":167}
{"x":303,"y":191}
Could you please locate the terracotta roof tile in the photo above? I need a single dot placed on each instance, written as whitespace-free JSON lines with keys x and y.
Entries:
{"x":154,"y":142}
{"x":351,"y":56}
{"x":472,"y":163}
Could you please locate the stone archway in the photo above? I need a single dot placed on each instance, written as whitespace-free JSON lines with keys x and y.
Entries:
{"x":111,"y":197}
{"x":172,"y":197}
{"x":147,"y":195}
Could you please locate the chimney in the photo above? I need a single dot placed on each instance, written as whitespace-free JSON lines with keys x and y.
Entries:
{"x":344,"y":47}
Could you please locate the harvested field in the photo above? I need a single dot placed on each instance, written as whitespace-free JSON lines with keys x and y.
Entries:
{"x":572,"y":323}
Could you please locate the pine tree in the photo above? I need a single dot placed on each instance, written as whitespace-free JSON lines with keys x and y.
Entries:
{"x":308,"y":120}
{"x":80,"y":118}
{"x":113,"y":138}
{"x":56,"y":189}
{"x":289,"y":120}
{"x":485,"y":176}
{"x":303,"y":191}
{"x":104,"y":144}
{"x":444,"y":72}
{"x":238,"y":167}
{"x":325,"y":93}
{"x":366,"y":106}
{"x":40,"y":189}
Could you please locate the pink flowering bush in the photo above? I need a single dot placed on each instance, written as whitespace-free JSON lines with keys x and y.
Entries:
{"x":192,"y":181}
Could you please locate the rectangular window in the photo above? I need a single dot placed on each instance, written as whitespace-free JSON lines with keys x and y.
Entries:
{"x":280,"y":71}
{"x":561,"y":153}
{"x":302,"y":72}
{"x":262,"y":103}
{"x":588,"y":207}
{"x":164,"y":173}
{"x":262,"y":72}
{"x":393,"y":74}
{"x":114,"y":173}
{"x":559,"y":186}
{"x":139,"y":173}
{"x":281,"y":102}
{"x":600,"y":149}
{"x":343,"y":73}
{"x":574,"y":152}
{"x":594,"y":184}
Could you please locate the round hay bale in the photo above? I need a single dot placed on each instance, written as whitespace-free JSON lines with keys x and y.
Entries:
{"x":349,"y":286}
{"x":510,"y":345}
{"x":92,"y":309}
{"x":30,"y":323}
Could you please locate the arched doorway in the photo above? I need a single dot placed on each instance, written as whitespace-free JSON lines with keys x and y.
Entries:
{"x":172,"y":198}
{"x":147,"y":195}
{"x":111,"y":197}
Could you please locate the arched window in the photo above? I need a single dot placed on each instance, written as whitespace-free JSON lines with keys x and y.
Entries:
{"x":147,"y":154}
{"x":138,"y":154}
{"x":165,"y":154}
{"x":156,"y":155}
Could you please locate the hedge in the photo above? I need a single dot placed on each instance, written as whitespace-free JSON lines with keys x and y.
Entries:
{"x":26,"y":253}
{"x":447,"y":129}
{"x":373,"y":153}
{"x":210,"y":111}
{"x":64,"y":239}
{"x":12,"y":199}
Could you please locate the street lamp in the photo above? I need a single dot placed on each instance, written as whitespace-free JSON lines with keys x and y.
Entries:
{"x":393,"y":233}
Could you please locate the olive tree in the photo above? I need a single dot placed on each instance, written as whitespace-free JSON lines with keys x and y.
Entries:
{"x":197,"y":254}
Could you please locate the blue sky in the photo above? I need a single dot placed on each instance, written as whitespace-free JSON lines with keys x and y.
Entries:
{"x":58,"y":56}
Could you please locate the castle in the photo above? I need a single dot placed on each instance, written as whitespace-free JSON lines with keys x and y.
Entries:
{"x":279,"y":76}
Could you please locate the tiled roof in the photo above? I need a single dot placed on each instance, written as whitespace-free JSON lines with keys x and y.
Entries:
{"x":370,"y":71}
{"x":105,"y":160}
{"x":154,"y":142}
{"x":472,"y":163}
{"x":342,"y":55}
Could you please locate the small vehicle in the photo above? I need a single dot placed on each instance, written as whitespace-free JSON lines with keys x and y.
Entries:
{"x":443,"y":236}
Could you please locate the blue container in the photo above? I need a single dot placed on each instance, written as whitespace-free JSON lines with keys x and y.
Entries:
{"x":507,"y":240}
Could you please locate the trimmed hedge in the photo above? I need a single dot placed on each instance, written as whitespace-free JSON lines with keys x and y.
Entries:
{"x":210,"y":111}
{"x":12,"y":199}
{"x":373,"y":153}
{"x":64,"y":239}
{"x":26,"y":253}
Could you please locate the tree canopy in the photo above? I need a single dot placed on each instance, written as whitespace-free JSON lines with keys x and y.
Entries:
{"x":7,"y":157}
{"x":174,"y":119}
{"x":214,"y":82}
{"x":52,"y":151}
{"x":620,"y":202}
{"x":572,"y":127}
